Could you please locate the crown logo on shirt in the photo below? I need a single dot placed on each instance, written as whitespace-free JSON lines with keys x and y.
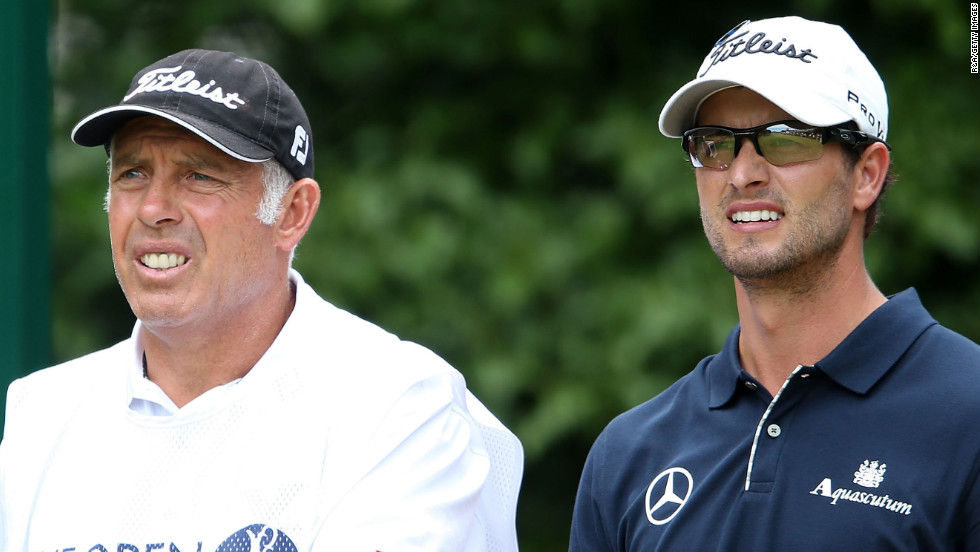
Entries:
{"x":870,"y":474}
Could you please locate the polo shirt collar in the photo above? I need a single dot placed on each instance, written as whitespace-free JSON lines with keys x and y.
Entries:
{"x":147,"y":399}
{"x":877,"y":344}
{"x":857,"y":363}
{"x":724,"y":371}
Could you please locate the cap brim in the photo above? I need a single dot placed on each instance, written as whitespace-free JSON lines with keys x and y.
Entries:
{"x":680,"y":112}
{"x":98,"y":128}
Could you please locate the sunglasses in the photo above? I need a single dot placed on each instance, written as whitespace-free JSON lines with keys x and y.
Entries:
{"x":780,"y":143}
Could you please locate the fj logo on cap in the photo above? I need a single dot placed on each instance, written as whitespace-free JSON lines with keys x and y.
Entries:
{"x":301,"y":145}
{"x":163,"y":80}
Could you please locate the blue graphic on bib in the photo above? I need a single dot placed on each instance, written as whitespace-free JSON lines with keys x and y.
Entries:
{"x":257,"y":538}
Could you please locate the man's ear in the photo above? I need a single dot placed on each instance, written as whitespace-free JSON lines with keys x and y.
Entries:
{"x":299,"y":206}
{"x":870,"y":170}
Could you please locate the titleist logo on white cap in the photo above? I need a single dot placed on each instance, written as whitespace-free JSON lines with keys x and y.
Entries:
{"x":163,"y":80}
{"x":733,"y":44}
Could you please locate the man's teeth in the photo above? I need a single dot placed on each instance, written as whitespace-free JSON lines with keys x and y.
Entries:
{"x":163,"y":260}
{"x":755,"y":216}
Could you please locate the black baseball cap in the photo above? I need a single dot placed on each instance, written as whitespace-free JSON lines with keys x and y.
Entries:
{"x":240,"y":105}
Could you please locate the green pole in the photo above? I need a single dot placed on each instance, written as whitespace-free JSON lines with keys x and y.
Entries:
{"x":25,"y":95}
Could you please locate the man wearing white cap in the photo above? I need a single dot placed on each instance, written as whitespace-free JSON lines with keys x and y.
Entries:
{"x":245,"y":413}
{"x":834,"y":417}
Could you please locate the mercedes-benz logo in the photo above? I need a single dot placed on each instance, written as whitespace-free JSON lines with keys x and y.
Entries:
{"x":663,"y":501}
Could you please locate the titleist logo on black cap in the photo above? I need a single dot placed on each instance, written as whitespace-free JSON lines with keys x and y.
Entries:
{"x":163,"y":80}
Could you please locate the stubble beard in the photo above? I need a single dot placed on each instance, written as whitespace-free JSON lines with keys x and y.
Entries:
{"x":800,"y":263}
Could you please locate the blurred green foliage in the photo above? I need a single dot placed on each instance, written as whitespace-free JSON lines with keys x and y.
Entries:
{"x":495,"y":186}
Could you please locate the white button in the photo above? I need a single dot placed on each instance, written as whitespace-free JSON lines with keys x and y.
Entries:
{"x":774,"y":430}
{"x":751,"y":385}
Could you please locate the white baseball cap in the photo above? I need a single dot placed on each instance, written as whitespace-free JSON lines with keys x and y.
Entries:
{"x":814,"y":71}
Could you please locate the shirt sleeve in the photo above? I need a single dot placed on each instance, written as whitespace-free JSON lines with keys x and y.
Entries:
{"x":4,"y":501}
{"x":416,"y":482}
{"x":588,"y":533}
{"x":11,"y":514}
{"x":971,"y":515}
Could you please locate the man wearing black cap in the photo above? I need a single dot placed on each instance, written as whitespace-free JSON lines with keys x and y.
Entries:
{"x":834,"y":417}
{"x":245,"y":412}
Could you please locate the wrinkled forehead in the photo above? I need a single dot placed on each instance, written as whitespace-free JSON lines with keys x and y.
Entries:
{"x":137,"y":133}
{"x":148,"y":126}
{"x":139,"y":139}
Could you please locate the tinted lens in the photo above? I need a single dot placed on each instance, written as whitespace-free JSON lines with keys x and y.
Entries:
{"x":782,"y":145}
{"x":711,"y":147}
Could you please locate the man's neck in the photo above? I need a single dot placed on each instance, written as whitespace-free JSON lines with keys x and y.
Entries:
{"x":782,"y":329}
{"x":186,"y":362}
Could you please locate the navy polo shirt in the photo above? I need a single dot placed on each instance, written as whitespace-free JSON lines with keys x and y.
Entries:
{"x":876,"y":447}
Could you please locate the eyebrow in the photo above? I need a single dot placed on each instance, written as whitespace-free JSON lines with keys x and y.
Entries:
{"x":189,"y":161}
{"x":119,"y":159}
{"x":193,"y":161}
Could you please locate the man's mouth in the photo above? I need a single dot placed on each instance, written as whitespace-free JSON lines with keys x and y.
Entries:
{"x":162,"y":261}
{"x":739,"y":217}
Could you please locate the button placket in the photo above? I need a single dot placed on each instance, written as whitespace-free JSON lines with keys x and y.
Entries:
{"x":763,"y":457}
